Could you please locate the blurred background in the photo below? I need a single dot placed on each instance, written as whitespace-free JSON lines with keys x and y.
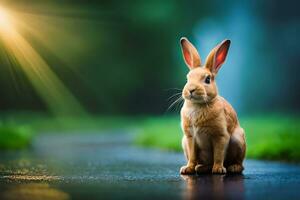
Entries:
{"x":107,"y":64}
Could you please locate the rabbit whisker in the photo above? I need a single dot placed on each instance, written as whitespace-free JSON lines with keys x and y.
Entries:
{"x":174,"y":95}
{"x":173,"y":89}
{"x":178,"y":100}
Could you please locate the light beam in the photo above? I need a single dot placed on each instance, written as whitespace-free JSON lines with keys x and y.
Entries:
{"x":59,"y":100}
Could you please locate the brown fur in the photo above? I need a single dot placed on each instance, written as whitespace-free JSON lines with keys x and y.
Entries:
{"x":213,"y":139}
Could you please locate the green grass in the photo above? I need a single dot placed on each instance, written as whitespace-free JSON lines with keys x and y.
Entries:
{"x":42,"y":123}
{"x":273,"y":137}
{"x":268,"y":137}
{"x":18,"y":129}
{"x":15,"y":137}
{"x":162,"y":133}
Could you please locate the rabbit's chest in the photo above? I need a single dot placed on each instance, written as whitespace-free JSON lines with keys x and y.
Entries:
{"x":203,"y":136}
{"x":204,"y":129}
{"x":202,"y":122}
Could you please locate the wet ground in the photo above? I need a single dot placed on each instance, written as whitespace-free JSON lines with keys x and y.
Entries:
{"x":91,"y":166}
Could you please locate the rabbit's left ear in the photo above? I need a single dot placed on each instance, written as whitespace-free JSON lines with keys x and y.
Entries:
{"x":217,"y":56}
{"x":190,"y":54}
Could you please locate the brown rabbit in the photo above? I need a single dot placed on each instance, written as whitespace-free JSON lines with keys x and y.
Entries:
{"x":213,"y":140}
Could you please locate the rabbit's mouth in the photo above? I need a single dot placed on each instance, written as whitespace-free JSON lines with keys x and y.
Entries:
{"x":197,"y":98}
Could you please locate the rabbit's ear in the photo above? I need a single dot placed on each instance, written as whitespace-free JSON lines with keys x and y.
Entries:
{"x":190,"y":54}
{"x":217,"y":56}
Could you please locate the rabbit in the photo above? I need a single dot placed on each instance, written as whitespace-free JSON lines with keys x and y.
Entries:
{"x":213,"y":140}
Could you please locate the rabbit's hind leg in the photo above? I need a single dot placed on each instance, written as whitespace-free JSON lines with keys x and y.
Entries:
{"x":236,"y":152}
{"x":235,"y":168}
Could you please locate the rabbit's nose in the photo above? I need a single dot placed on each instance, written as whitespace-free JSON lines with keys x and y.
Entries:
{"x":191,"y":91}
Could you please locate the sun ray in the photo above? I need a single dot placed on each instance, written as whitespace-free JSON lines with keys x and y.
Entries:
{"x":46,"y":83}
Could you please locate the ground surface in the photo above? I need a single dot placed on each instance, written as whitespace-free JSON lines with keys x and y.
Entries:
{"x":94,"y":166}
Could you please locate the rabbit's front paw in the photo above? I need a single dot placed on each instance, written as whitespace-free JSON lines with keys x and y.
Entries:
{"x":187,"y":170}
{"x":202,"y":169}
{"x":218,"y":169}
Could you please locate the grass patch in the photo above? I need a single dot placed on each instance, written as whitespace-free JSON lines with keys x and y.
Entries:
{"x":273,"y":137}
{"x":42,"y":123}
{"x":15,"y":137}
{"x":163,"y":133}
{"x":18,"y":129}
{"x":268,"y":137}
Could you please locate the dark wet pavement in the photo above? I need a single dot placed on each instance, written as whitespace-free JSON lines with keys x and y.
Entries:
{"x":91,"y":166}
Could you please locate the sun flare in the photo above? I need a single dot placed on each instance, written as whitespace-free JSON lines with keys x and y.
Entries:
{"x":5,"y":21}
{"x":56,"y":96}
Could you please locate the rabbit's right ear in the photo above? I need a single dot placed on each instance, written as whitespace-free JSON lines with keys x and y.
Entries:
{"x":190,"y":54}
{"x":217,"y":56}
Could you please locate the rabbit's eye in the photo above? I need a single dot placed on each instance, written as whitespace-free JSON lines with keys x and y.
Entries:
{"x":207,"y":80}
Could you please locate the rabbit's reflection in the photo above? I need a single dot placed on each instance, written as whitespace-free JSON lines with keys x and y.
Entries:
{"x":213,"y":187}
